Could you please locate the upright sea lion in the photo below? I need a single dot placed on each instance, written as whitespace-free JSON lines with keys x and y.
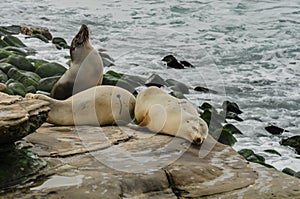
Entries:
{"x":161,"y":112}
{"x":99,"y":105}
{"x":86,"y":69}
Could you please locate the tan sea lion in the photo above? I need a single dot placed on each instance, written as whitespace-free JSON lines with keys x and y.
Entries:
{"x":99,"y":105}
{"x":161,"y":112}
{"x":86,"y":69}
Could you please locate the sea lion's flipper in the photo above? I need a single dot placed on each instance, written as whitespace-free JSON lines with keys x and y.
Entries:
{"x":155,"y":118}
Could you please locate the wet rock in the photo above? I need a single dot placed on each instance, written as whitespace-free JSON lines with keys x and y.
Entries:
{"x":224,"y":136}
{"x":25,"y":77}
{"x":20,"y":117}
{"x":17,"y":88}
{"x":233,"y":116}
{"x":38,"y":36}
{"x":178,"y":94}
{"x":213,"y":119}
{"x":187,"y":64}
{"x":232,"y":129}
{"x":3,"y":77}
{"x":289,"y":171}
{"x":5,"y":67}
{"x":9,"y":30}
{"x":38,"y":62}
{"x":155,"y":80}
{"x":46,"y":84}
{"x":274,"y":130}
{"x":60,"y":43}
{"x":114,"y":162}
{"x":207,"y":106}
{"x":106,"y":58}
{"x":50,"y":69}
{"x":177,"y":86}
{"x":20,"y":62}
{"x":16,"y":50}
{"x":293,"y":142}
{"x":231,"y":107}
{"x":3,"y":43}
{"x":32,"y":30}
{"x":172,"y":62}
{"x":272,"y":151}
{"x":297,"y":174}
{"x":2,"y":87}
{"x":249,"y":155}
{"x":205,"y":90}
{"x":14,"y":41}
{"x":5,"y":54}
{"x":116,"y":79}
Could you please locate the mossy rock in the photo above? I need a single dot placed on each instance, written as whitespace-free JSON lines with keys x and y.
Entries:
{"x":30,"y":89}
{"x":289,"y":171}
{"x":213,"y":120}
{"x":272,"y":151}
{"x":293,"y":141}
{"x":20,"y":62}
{"x":14,"y":41}
{"x":5,"y":67}
{"x":39,"y":36}
{"x":3,"y":43}
{"x":10,"y":30}
{"x":17,"y":51}
{"x":46,"y":84}
{"x":60,"y":43}
{"x":224,"y":136}
{"x":115,"y":79}
{"x":231,"y":107}
{"x":5,"y":54}
{"x":231,"y":128}
{"x":3,"y":77}
{"x":37,"y":62}
{"x":8,"y":91}
{"x":17,"y":88}
{"x":50,"y":69}
{"x":24,"y":77}
{"x":249,"y":155}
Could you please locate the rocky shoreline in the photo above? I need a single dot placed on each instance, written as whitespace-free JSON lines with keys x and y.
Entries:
{"x":222,"y":173}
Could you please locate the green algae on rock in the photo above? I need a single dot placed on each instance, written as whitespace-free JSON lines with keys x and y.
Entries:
{"x":50,"y":69}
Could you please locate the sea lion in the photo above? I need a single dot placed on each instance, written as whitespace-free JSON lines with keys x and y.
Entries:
{"x":161,"y":112}
{"x":99,"y":105}
{"x":86,"y":69}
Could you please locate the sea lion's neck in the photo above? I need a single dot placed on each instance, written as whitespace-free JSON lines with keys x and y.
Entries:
{"x":81,"y":52}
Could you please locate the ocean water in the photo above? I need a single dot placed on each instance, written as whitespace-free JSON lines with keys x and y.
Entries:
{"x":249,"y":51}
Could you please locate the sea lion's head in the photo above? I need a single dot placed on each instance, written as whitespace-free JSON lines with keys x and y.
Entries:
{"x":196,"y":131}
{"x":81,"y":40}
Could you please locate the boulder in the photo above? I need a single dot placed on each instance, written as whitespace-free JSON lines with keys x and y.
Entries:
{"x":122,"y":162}
{"x":20,"y":117}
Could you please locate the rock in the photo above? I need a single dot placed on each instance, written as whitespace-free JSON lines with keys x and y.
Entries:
{"x":187,"y":64}
{"x":2,"y":87}
{"x":249,"y":155}
{"x":272,"y":151}
{"x":3,"y":77}
{"x":234,"y":116}
{"x":172,"y":62}
{"x":232,"y":129}
{"x":50,"y":69}
{"x":213,"y":120}
{"x":205,"y":90}
{"x":60,"y":43}
{"x":5,"y":54}
{"x":3,"y":43}
{"x":274,"y":130}
{"x":293,"y":141}
{"x":20,"y":62}
{"x":5,"y":67}
{"x":178,"y":86}
{"x":15,"y":50}
{"x":39,"y":36}
{"x":224,"y":136}
{"x":20,"y":117}
{"x":207,"y":106}
{"x":116,"y":79}
{"x":120,"y":162}
{"x":297,"y":174}
{"x":25,"y":77}
{"x":106,"y":58}
{"x":14,"y":41}
{"x":289,"y":171}
{"x":46,"y":84}
{"x":31,"y":31}
{"x":10,"y":30}
{"x":231,"y":107}
{"x":17,"y":88}
{"x":155,"y":80}
{"x":38,"y":62}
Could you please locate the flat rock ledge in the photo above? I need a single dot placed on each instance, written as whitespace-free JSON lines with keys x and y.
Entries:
{"x":20,"y":117}
{"x":123,"y":162}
